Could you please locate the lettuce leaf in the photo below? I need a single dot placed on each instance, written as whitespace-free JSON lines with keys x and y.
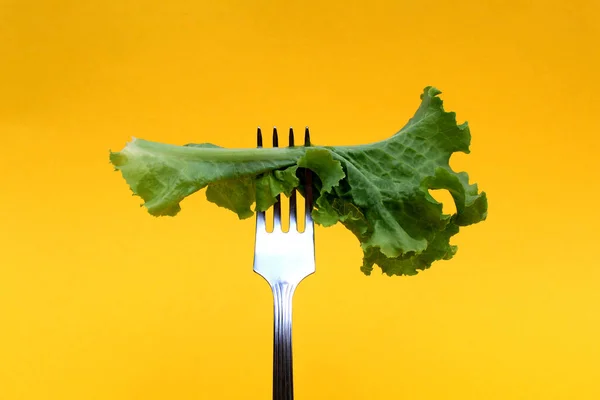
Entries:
{"x":379,"y":191}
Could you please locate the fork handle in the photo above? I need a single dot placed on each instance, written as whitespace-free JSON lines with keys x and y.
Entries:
{"x":283,"y":380}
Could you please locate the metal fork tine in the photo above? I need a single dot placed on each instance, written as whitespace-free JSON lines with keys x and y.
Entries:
{"x":291,"y":137}
{"x":261,"y":223}
{"x":308,"y":188}
{"x":277,"y":205}
{"x":275,"y":137}
{"x":306,"y":137}
{"x":293,"y":207}
{"x":258,"y":137}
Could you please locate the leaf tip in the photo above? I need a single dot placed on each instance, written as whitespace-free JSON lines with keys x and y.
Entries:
{"x":431,"y":91}
{"x":117,"y":159}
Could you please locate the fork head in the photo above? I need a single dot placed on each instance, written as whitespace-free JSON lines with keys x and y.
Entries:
{"x":286,"y":256}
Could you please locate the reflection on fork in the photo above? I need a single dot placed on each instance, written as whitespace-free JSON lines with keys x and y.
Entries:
{"x":284,"y":259}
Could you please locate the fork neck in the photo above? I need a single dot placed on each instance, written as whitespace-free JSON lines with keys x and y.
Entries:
{"x":283,"y":381}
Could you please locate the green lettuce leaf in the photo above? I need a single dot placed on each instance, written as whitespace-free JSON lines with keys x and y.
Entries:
{"x":379,"y":191}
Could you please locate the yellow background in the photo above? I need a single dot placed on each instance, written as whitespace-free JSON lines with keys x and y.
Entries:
{"x":99,"y":300}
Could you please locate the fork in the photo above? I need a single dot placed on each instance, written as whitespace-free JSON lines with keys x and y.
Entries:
{"x":284,"y":259}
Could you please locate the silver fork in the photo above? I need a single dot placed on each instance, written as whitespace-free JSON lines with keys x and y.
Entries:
{"x":284,"y":259}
